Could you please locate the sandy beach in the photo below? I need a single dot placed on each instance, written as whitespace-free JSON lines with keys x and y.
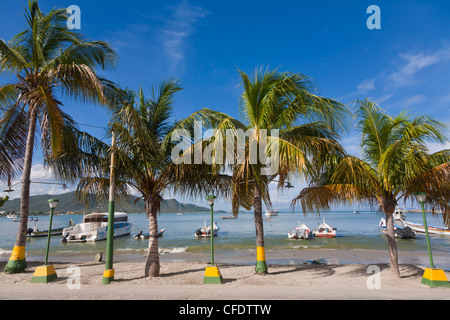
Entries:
{"x":182,"y":275}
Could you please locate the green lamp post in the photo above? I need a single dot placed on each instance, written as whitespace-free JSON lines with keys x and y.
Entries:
{"x":212,"y":273}
{"x":432,"y":276}
{"x":46,"y":273}
{"x":108,"y":274}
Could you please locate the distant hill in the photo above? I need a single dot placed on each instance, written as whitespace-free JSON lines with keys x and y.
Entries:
{"x":39,"y":205}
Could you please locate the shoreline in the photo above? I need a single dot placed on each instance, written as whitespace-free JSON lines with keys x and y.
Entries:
{"x":279,"y":257}
{"x":290,"y":277}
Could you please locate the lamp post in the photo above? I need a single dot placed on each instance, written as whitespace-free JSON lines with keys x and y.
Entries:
{"x":46,"y":273}
{"x":108,"y":274}
{"x":432,"y":276}
{"x":212,"y":273}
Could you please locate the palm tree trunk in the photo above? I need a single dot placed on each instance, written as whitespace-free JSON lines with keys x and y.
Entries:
{"x":261,"y":266}
{"x":17,"y":262}
{"x":389,"y":209}
{"x":152,"y":266}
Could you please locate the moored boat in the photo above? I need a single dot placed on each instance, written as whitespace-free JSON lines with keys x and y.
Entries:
{"x":271,"y":213}
{"x":229,"y":217}
{"x":205,"y":231}
{"x":400,"y":229}
{"x":142,"y":235}
{"x":401,"y":223}
{"x":300,"y":232}
{"x":324,"y":230}
{"x":95,"y":228}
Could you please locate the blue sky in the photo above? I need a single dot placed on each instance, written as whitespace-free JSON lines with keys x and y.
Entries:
{"x":404,"y":66}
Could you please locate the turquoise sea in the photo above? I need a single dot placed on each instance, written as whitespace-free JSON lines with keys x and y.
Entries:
{"x":236,"y":237}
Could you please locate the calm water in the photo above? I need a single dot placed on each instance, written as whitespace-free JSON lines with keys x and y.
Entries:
{"x":354,"y":231}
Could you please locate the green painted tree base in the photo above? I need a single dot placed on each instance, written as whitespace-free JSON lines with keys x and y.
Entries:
{"x":15,"y":266}
{"x":44,"y":279}
{"x":435,"y":283}
{"x":261,"y":267}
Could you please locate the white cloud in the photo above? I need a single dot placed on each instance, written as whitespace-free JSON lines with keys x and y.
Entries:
{"x":181,"y":24}
{"x":415,"y":63}
{"x":366,"y":85}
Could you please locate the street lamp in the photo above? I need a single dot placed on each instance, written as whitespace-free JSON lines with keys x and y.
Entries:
{"x":212,"y":273}
{"x":46,"y":273}
{"x":432,"y":276}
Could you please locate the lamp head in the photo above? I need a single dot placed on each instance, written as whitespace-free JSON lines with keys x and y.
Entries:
{"x":211,"y":199}
{"x":421,"y":196}
{"x":53,"y":202}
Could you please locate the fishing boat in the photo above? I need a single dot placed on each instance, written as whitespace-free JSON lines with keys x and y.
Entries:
{"x":401,"y":231}
{"x":205,"y":231}
{"x":324,"y":230}
{"x":142,"y":235}
{"x":36,"y":233}
{"x":229,"y":217}
{"x":431,"y":229}
{"x":401,"y":223}
{"x":300,"y":232}
{"x":95,"y":228}
{"x":271,"y":213}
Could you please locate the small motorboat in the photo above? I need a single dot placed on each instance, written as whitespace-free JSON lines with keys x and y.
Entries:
{"x":401,"y":231}
{"x":271,"y":213}
{"x":356,"y":212}
{"x":142,"y":235}
{"x":229,"y":217}
{"x":205,"y":231}
{"x":300,"y":232}
{"x":324,"y":230}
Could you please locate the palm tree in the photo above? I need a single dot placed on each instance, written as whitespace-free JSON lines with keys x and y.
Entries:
{"x":47,"y":60}
{"x":143,"y":159}
{"x":305,"y":126}
{"x":395,"y":164}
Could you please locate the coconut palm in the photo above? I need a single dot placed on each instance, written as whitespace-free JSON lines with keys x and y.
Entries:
{"x":48,"y":62}
{"x":143,"y":162}
{"x":286,"y":122}
{"x":395,"y":164}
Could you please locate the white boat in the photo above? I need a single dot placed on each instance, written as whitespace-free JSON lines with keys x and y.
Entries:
{"x":271,"y":213}
{"x":300,"y":232}
{"x":229,"y":217}
{"x":401,"y":230}
{"x":205,"y":231}
{"x":180,"y":213}
{"x":400,"y":222}
{"x":12,"y":216}
{"x":95,"y":228}
{"x":142,"y":235}
{"x":324,"y":230}
{"x":431,"y":229}
{"x":356,"y":212}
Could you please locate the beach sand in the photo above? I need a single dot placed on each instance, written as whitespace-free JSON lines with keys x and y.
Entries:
{"x":182,"y":275}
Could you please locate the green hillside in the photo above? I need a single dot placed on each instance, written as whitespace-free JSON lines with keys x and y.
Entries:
{"x":39,"y":205}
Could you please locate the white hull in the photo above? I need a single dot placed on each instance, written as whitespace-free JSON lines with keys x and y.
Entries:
{"x":271,"y":213}
{"x":95,"y":228}
{"x":302,"y":232}
{"x":324,"y":231}
{"x":205,"y":231}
